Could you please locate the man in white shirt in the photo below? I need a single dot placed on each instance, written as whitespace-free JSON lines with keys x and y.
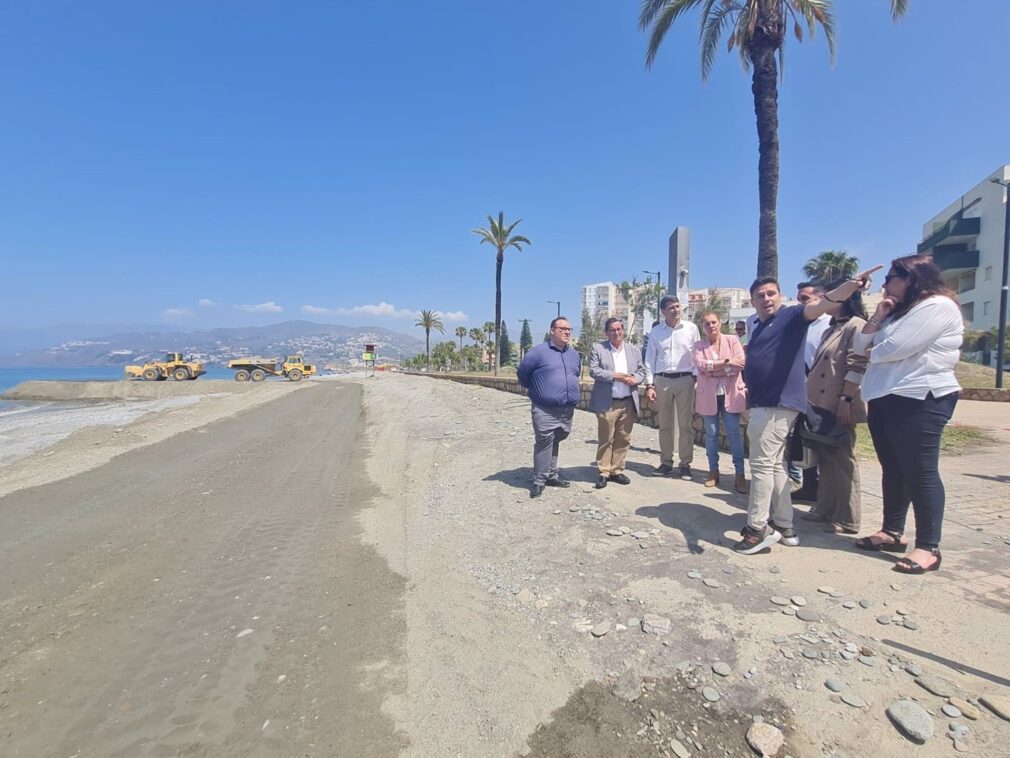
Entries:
{"x":669,"y":382}
{"x":617,"y":370}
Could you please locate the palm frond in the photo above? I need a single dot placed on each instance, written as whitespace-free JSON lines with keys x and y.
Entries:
{"x":660,"y":15}
{"x":819,"y":12}
{"x":898,"y":8}
{"x":712,"y":32}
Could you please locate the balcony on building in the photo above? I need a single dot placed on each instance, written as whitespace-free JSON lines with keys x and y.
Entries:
{"x":953,"y":245}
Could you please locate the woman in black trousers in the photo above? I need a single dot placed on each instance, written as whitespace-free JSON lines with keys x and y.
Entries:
{"x":913,"y":342}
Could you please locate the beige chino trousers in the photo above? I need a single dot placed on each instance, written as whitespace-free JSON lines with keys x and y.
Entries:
{"x":675,"y":408}
{"x":768,"y":433}
{"x":614,"y":434}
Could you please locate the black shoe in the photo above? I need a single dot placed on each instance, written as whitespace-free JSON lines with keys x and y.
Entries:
{"x":804,"y":495}
{"x":559,"y":482}
{"x":601,"y":482}
{"x":620,"y":478}
{"x":685,"y":472}
{"x":536,"y":491}
{"x":664,"y":469}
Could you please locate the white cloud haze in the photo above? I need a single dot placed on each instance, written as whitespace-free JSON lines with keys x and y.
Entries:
{"x":268,"y":307}
{"x":382,"y":310}
{"x":176,"y":313}
{"x":453,"y":316}
{"x":206,"y":302}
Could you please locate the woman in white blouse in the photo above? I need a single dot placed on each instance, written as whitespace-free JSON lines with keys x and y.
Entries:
{"x":914,"y":342}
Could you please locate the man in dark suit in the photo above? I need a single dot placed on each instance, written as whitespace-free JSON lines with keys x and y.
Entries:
{"x":617,"y":370}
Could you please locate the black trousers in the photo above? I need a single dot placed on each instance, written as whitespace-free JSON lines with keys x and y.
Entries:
{"x":906,"y":434}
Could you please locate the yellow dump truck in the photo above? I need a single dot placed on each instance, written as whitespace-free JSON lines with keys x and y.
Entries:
{"x":257,"y":369}
{"x":174,"y":366}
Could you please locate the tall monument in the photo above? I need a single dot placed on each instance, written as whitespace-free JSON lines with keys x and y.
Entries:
{"x":680,"y":264}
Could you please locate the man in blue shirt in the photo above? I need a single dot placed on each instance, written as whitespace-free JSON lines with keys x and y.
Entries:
{"x":551,"y":371}
{"x":775,"y":376}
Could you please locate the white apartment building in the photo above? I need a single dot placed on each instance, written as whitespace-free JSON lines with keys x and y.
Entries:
{"x":966,"y":242}
{"x":730,"y":299}
{"x":604,"y":300}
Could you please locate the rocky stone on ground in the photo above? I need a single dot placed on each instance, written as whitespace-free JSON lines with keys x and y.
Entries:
{"x":935,"y":686}
{"x":911,"y":720}
{"x":998,"y":704}
{"x":968,"y":710}
{"x":766,"y":740}
{"x":628,"y":686}
{"x":600,"y":629}
{"x":653,"y":624}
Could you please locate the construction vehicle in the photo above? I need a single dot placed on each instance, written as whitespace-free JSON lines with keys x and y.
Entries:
{"x":174,"y":366}
{"x":257,"y":369}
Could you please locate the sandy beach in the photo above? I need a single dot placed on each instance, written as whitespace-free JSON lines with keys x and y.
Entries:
{"x":405,"y":596}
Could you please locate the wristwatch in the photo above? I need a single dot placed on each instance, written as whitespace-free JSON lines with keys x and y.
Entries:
{"x":846,"y":398}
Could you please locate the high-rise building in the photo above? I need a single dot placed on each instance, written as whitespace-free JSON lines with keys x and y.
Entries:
{"x":605,"y":300}
{"x":966,"y":241}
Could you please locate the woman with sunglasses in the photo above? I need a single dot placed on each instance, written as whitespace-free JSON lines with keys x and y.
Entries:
{"x":913,"y":342}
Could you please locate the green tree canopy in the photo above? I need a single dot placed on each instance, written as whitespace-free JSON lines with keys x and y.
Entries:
{"x":504,"y":346}
{"x":830,"y":265}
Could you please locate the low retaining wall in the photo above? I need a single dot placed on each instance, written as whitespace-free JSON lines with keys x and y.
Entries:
{"x":511,"y":384}
{"x":990,"y":396}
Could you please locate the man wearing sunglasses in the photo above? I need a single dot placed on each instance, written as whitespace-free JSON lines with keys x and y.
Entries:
{"x":551,"y":371}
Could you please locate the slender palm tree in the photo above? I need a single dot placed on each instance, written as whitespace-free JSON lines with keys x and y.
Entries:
{"x":758,"y":31}
{"x":477,"y":335}
{"x":830,"y":265}
{"x":499,"y":235}
{"x":461,"y":333}
{"x":489,"y":329}
{"x":429,"y":320}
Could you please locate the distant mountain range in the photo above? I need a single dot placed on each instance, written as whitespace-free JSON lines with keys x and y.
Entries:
{"x":317,"y":343}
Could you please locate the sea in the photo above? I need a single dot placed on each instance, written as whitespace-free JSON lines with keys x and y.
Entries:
{"x":27,"y":426}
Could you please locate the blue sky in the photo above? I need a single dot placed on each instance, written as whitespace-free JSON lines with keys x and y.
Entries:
{"x":199,"y":164}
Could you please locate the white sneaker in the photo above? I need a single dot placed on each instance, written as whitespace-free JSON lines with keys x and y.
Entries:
{"x":788,"y":535}
{"x":770,"y":538}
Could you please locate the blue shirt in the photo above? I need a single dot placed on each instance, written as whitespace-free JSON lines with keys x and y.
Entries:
{"x":774,"y":372}
{"x":551,"y":375}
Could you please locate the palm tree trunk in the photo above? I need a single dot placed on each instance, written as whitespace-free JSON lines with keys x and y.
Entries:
{"x":497,"y":306}
{"x":427,"y":348}
{"x":764,"y":85}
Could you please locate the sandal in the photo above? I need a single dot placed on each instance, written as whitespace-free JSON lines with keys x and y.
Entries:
{"x":908,"y":566}
{"x":896,"y":546}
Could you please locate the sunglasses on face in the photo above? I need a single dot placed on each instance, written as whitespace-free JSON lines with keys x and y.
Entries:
{"x":889,"y":277}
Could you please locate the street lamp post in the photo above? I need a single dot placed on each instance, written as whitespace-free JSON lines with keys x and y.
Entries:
{"x":659,"y":289}
{"x":1001,"y":345}
{"x":557,"y":303}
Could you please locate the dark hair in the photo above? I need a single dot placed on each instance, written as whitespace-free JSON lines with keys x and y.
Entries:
{"x":812,"y":285}
{"x":666,"y":300}
{"x":610,"y":321}
{"x":853,"y":305}
{"x":555,"y":321}
{"x":740,"y":323}
{"x":924,"y":280}
{"x":763,"y":280}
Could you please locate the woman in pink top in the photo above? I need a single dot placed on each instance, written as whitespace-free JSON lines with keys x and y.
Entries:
{"x":720,"y":391}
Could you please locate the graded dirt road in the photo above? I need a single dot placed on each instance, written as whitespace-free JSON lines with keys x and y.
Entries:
{"x":204,"y":596}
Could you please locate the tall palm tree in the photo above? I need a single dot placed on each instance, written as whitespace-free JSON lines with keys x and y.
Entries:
{"x":758,"y":31}
{"x":830,"y":265}
{"x":429,"y":320}
{"x":499,"y":235}
{"x":461,"y":333}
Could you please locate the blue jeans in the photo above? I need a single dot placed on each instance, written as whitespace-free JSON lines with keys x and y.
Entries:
{"x":732,"y":422}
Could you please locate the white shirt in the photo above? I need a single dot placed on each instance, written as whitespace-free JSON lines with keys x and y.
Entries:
{"x":670,"y":349}
{"x":620,"y":357}
{"x":815,"y":332}
{"x":915,"y":354}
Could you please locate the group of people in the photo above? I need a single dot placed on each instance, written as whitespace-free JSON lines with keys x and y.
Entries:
{"x":805,"y":374}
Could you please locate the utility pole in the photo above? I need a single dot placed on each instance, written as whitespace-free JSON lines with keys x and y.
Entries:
{"x":557,"y":303}
{"x":659,"y":291}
